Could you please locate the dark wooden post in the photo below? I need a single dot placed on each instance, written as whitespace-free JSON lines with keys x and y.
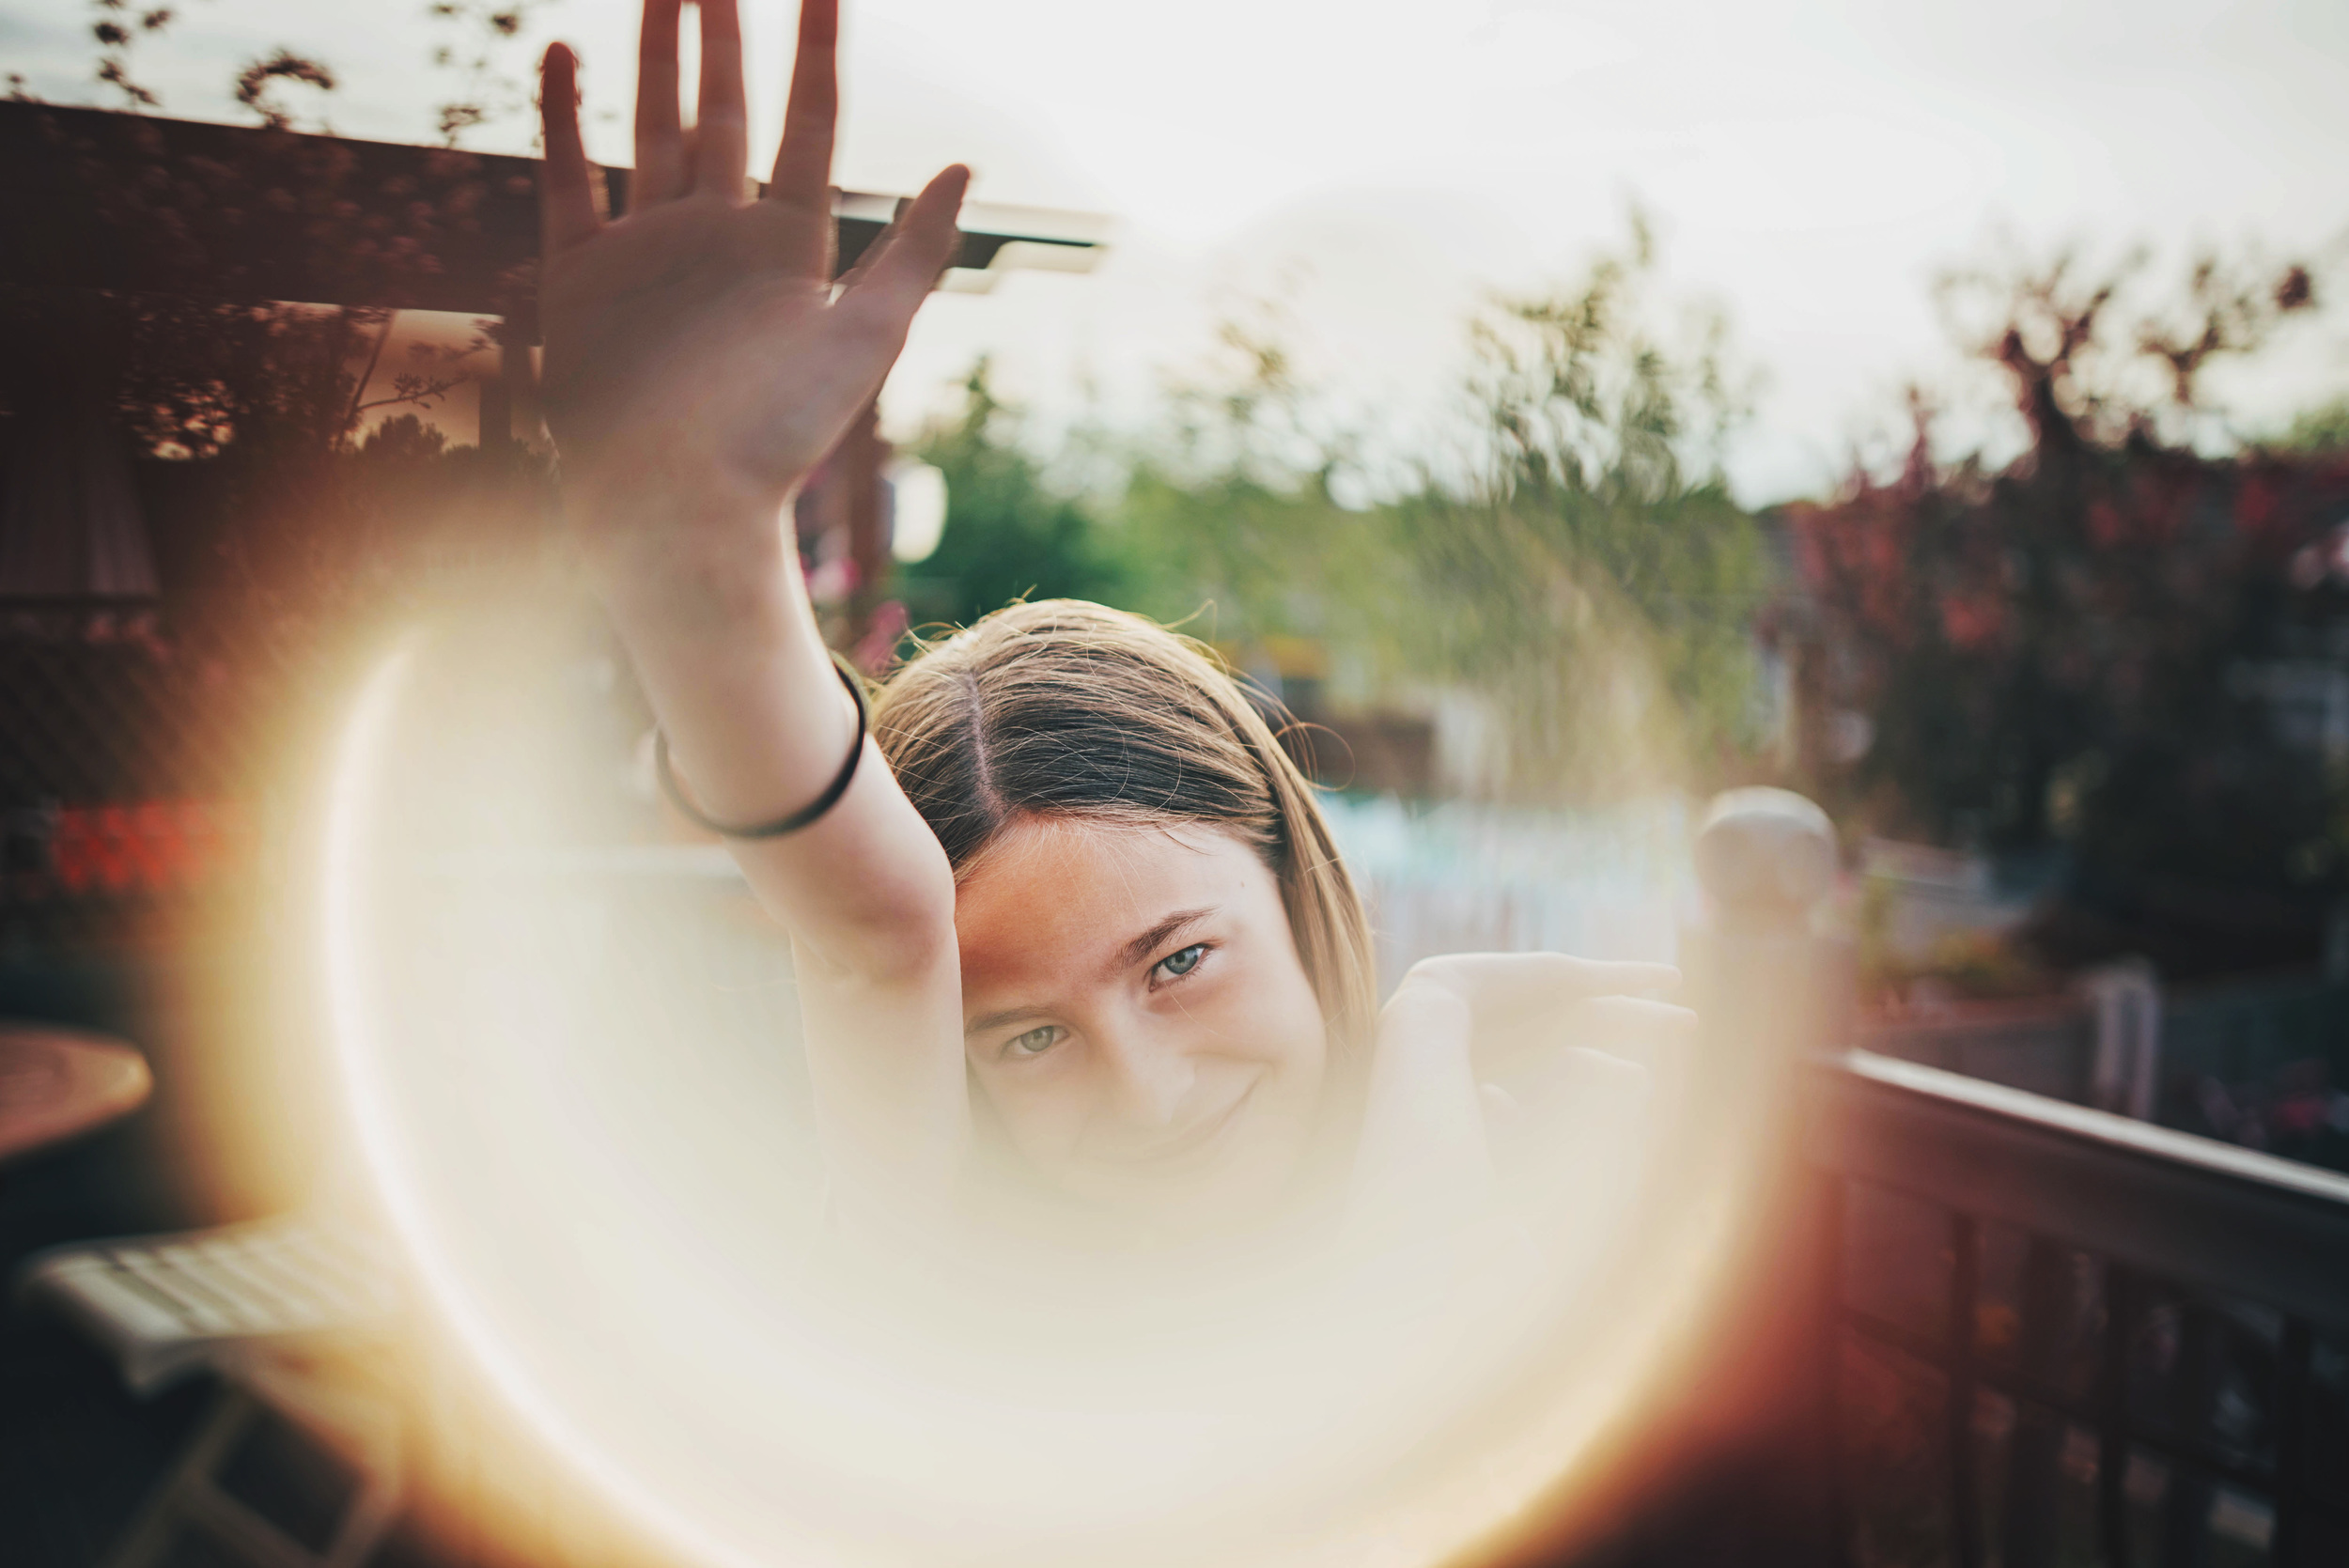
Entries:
{"x":862,"y":457}
{"x":1735,"y":1465}
{"x":840,"y":521}
{"x":1772,"y":992}
{"x":497,"y":411}
{"x":499,"y":390}
{"x":2034,"y":1479}
{"x":2193,"y":1400}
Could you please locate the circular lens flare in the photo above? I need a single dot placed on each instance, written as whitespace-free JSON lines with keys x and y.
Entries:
{"x":570,"y":1073}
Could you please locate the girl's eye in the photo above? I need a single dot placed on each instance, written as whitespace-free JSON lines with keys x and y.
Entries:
{"x":1176,"y":965}
{"x":1036,"y":1042}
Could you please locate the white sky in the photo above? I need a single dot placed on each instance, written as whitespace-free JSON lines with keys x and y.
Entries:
{"x":1810,"y":166}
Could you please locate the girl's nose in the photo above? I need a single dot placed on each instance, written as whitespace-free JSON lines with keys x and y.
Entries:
{"x":1148,"y":1081}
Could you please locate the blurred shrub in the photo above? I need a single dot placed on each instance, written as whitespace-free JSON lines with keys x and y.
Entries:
{"x":1008,"y":534}
{"x":2115,"y":642}
{"x":2325,"y":429}
{"x":1576,"y":569}
{"x":1592,"y":571}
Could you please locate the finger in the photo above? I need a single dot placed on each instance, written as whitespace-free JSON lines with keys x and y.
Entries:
{"x":1627,"y":977}
{"x":801,"y":182}
{"x":890,"y":280}
{"x":1659,"y":1037}
{"x":566,"y":192}
{"x":1632,"y":1028}
{"x":660,"y":135}
{"x":1506,"y":983}
{"x":722,"y":135}
{"x":1587,"y":1073}
{"x":827,"y":252}
{"x":874,"y":248}
{"x":1422,"y":1158}
{"x":1556,"y":975}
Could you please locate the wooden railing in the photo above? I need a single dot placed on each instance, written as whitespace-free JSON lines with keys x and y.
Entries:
{"x":2155,"y":1352}
{"x":2023,"y":1332}
{"x":1999,"y":1328}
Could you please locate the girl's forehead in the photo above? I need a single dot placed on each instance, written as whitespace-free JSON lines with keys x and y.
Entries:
{"x":1047,"y":850}
{"x":1071,"y":885}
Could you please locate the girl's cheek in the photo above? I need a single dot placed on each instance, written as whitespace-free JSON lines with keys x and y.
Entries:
{"x":1045,"y":1110}
{"x":1239,"y":1016}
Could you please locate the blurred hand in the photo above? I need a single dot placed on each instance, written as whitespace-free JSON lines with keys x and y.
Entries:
{"x":1526,"y":1002}
{"x":697,"y":363}
{"x":1422,"y":1165}
{"x":1471,"y":1043}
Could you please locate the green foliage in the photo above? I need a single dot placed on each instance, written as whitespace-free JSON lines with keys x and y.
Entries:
{"x":1587,"y":578}
{"x":1008,"y":534}
{"x":1594,"y":576}
{"x":2102,"y":644}
{"x":481,"y":51}
{"x":2324,"y":428}
{"x":1227,"y":518}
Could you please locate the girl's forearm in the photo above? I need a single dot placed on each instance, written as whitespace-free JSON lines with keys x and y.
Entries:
{"x":738,"y":678}
{"x":734,"y":667}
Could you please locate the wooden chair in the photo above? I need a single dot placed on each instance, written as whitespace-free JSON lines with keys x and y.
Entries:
{"x":282,"y":1312}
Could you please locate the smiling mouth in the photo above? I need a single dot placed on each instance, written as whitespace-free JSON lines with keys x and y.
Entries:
{"x":1199,"y":1135}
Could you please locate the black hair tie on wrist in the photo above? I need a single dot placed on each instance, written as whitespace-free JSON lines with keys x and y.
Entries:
{"x":806,"y":814}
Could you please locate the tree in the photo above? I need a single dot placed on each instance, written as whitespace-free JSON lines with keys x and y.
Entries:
{"x":281,"y":535}
{"x":476,"y":48}
{"x":1581,"y":569}
{"x":1009,"y":535}
{"x":2085,"y":646}
{"x":1593,"y":571}
{"x":2323,"y":429}
{"x":1225,"y":517}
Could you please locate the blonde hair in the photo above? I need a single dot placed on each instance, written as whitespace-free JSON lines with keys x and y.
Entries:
{"x":1065,"y":708}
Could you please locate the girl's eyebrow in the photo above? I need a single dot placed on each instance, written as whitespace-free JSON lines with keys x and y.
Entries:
{"x":987,"y":1021}
{"x":1128,"y":956}
{"x":1142,"y":946}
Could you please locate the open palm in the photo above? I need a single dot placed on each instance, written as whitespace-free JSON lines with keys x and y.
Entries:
{"x":697,"y":344}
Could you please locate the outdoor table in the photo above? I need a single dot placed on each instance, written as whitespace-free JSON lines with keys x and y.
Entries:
{"x":59,"y":1083}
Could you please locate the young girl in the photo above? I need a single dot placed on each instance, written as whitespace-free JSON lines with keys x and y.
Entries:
{"x":1066,"y":880}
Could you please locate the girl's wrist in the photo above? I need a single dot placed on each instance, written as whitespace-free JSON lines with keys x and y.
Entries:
{"x":737,"y":598}
{"x":719,"y":635}
{"x":707,"y":561}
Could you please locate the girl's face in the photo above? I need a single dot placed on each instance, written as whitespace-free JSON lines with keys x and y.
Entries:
{"x":1135,"y":1011}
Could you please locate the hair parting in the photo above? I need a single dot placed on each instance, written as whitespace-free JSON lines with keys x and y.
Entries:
{"x":1065,"y":708}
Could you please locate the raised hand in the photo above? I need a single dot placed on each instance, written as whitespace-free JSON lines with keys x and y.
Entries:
{"x":698,"y":362}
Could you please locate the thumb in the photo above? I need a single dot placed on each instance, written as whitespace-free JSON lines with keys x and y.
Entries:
{"x":897,"y":272}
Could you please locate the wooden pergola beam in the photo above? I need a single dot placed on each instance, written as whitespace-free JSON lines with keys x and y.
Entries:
{"x":98,"y":201}
{"x":133,"y":203}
